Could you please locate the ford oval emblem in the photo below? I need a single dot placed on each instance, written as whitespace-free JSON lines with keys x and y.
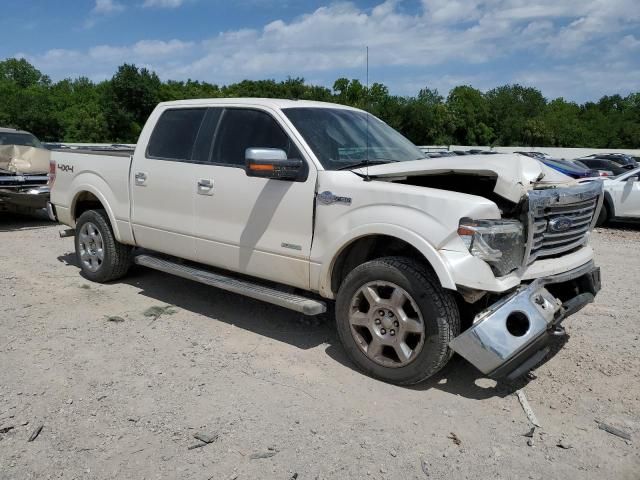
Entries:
{"x":560,"y":224}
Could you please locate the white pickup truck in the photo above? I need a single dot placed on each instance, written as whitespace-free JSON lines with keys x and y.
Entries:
{"x":300,"y":203}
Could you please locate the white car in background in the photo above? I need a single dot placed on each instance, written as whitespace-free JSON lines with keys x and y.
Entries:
{"x":622,"y":198}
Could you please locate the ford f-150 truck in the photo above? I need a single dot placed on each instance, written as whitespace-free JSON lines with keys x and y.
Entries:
{"x":303,"y":203}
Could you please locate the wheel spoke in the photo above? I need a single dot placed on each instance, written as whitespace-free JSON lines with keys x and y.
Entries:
{"x":403,"y":351}
{"x":100,"y":254}
{"x":375,"y":347}
{"x":359,"y":319}
{"x":411,"y":326}
{"x":398,"y":298}
{"x":371,"y":295}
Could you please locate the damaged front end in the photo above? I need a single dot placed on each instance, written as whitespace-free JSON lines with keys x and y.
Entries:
{"x":23,"y":178}
{"x":514,"y":334}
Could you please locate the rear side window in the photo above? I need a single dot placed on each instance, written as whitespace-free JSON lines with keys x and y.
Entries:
{"x":244,"y":128}
{"x":175,"y":134}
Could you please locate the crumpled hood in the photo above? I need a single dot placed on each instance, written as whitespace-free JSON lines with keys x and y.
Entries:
{"x":515,"y":174}
{"x":23,"y":159}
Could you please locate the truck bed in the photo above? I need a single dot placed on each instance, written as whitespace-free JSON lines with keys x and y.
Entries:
{"x":104,"y":175}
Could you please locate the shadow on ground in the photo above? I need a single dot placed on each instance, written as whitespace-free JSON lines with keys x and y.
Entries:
{"x":458,"y":378}
{"x":11,"y":221}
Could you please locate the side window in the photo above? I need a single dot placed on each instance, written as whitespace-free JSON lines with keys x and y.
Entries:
{"x":244,"y":128}
{"x":175,"y":134}
{"x":203,"y":145}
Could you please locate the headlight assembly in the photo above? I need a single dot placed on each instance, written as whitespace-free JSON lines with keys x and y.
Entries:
{"x":500,"y":243}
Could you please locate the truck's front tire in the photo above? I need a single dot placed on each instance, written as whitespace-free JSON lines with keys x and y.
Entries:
{"x":101,"y":257}
{"x":395,"y":320}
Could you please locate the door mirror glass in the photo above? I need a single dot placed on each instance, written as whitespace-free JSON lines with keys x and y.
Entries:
{"x":272,"y":163}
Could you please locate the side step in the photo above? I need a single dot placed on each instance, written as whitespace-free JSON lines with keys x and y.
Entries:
{"x":300,"y":304}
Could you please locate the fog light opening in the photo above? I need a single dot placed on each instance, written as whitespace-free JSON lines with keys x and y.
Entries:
{"x":517,"y":324}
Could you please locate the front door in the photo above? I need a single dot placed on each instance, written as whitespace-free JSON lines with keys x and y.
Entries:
{"x":256,"y":226}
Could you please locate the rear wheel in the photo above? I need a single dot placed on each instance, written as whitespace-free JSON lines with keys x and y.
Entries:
{"x":101,"y":257}
{"x":396,"y":321}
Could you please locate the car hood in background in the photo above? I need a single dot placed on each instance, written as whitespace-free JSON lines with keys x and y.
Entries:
{"x":515,"y":174}
{"x":23,"y":159}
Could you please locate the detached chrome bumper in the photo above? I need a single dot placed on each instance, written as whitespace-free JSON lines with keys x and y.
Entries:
{"x":513,"y":335}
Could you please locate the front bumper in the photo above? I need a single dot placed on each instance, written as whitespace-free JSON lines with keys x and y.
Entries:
{"x":514,"y":334}
{"x":29,"y":197}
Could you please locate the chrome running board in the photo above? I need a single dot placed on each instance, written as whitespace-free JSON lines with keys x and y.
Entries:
{"x":298,"y":303}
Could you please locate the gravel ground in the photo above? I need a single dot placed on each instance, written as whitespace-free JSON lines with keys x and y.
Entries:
{"x":122,"y":377}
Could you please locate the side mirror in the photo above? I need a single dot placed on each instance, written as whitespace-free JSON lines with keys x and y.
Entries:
{"x":272,"y":163}
{"x":632,"y":178}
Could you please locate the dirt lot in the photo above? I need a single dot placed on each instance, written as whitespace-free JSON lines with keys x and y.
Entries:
{"x":123,"y":399}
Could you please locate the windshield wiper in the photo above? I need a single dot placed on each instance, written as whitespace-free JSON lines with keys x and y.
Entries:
{"x":365,"y":163}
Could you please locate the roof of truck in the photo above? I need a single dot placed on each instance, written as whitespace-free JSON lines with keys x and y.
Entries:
{"x":276,"y":103}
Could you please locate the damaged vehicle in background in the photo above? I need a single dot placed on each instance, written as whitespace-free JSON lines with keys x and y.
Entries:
{"x":302,"y":203}
{"x":24,"y":169}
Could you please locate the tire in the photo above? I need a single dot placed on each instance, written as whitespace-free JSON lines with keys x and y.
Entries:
{"x":406,"y":356}
{"x":603,"y":216}
{"x":100,"y":256}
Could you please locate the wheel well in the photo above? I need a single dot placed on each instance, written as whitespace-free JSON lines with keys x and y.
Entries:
{"x":369,"y":248}
{"x":608,"y":203}
{"x":85,"y":201}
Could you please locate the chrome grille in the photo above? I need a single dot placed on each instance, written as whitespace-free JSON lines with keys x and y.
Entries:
{"x":560,"y":219}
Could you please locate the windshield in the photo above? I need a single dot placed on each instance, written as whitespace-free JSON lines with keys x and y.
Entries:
{"x":341,"y":138}
{"x":18,"y":138}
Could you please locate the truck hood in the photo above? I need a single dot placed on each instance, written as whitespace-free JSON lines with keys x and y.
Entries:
{"x":23,"y":159}
{"x":515,"y":174}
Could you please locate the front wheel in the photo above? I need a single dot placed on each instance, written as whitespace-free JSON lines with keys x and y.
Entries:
{"x":101,"y":257}
{"x":396,"y":321}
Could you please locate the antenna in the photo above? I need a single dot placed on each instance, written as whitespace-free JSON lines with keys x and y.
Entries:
{"x":367,"y":178}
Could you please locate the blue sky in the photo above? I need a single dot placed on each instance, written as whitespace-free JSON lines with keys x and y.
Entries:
{"x":577,"y":49}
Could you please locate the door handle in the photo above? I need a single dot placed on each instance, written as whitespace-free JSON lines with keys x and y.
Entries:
{"x":141,"y":178}
{"x":205,"y":186}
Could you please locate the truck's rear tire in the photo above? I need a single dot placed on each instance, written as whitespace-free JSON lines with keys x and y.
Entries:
{"x":396,"y":321}
{"x":101,"y":257}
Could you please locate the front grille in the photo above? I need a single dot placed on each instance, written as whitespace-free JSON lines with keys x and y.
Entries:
{"x":560,"y":220}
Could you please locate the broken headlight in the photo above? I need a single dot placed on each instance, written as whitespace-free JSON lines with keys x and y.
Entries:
{"x":500,"y":243}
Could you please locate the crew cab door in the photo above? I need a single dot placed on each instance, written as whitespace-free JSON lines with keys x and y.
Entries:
{"x":256,"y":226}
{"x":626,"y":192}
{"x":164,"y":179}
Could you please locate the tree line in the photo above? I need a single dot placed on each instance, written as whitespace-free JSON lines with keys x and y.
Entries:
{"x":115,"y":110}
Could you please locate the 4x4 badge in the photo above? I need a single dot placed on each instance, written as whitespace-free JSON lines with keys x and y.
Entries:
{"x":327,"y":198}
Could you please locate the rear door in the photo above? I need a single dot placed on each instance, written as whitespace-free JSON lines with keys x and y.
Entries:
{"x":164,"y":180}
{"x":256,"y":226}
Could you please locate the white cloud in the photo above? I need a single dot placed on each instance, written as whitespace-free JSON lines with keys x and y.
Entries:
{"x":107,"y":6}
{"x":163,"y":3}
{"x":483,"y":42}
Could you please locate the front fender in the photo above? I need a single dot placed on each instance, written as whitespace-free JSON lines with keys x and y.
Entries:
{"x":327,"y":262}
